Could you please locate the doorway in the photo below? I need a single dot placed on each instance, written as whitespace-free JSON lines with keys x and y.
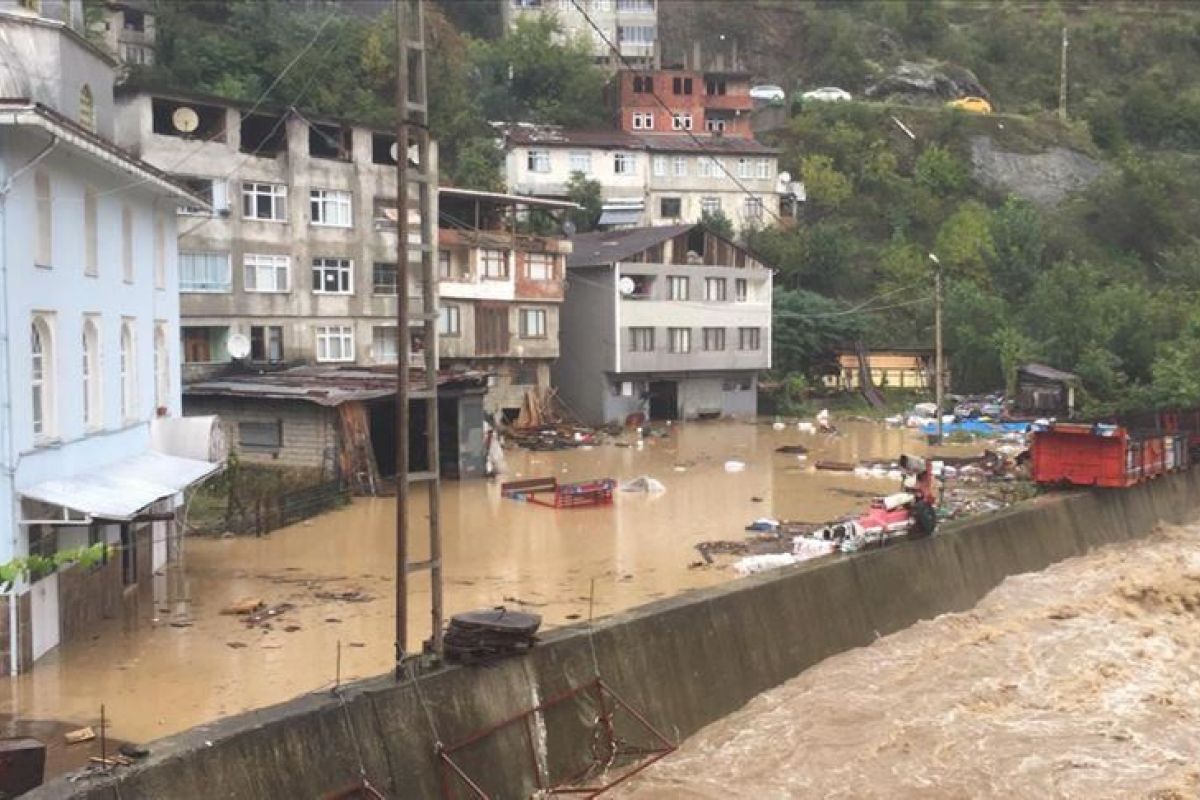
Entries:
{"x":664,"y":400}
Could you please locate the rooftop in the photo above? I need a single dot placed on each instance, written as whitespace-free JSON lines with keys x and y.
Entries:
{"x":327,"y":386}
{"x":608,"y":247}
{"x":523,"y":133}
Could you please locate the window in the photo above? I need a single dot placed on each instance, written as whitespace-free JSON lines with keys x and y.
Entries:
{"x":714,"y":125}
{"x":680,"y":340}
{"x":266,"y":343}
{"x":643,"y":84}
{"x":162,"y":369}
{"x":445,"y":271}
{"x":87,"y":108}
{"x":383,"y":344}
{"x":533,"y":323}
{"x":335,"y":343}
{"x":41,"y":377}
{"x":752,"y":209}
{"x":670,"y":207}
{"x":91,"y":240}
{"x":212,"y":191}
{"x":581,"y":161}
{"x":624,"y":163}
{"x":709,"y":167}
{"x":540,"y":266}
{"x":493,"y":263}
{"x":660,"y":166}
{"x":681,"y":85}
{"x":677,"y":287}
{"x":203,"y":272}
{"x":260,"y":435}
{"x":714,"y":86}
{"x":643,"y":121}
{"x":136,"y":54}
{"x":743,"y":168}
{"x":265,"y":201}
{"x":740,"y":290}
{"x":714,"y":289}
{"x":635,"y":34}
{"x":267,"y":273}
{"x":538,"y":161}
{"x":681,"y":122}
{"x":128,"y":373}
{"x":679,"y":166}
{"x":710,"y":205}
{"x":383,"y":276}
{"x":127,"y":244}
{"x":45,"y":220}
{"x":749,"y":338}
{"x":635,"y":5}
{"x":92,"y":392}
{"x":449,"y":321}
{"x":714,"y":339}
{"x":332,"y":276}
{"x":762,"y":168}
{"x":160,"y":252}
{"x":641,"y":340}
{"x":329,"y":207}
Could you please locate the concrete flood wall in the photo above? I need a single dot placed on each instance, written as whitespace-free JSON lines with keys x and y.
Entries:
{"x":683,"y":662}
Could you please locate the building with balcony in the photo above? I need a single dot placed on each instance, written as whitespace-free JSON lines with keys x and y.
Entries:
{"x":129,"y":32}
{"x":631,"y":26}
{"x":672,"y":322}
{"x":293,"y":260}
{"x":674,"y":101}
{"x":500,"y":290}
{"x":93,"y":451}
{"x":648,"y":179}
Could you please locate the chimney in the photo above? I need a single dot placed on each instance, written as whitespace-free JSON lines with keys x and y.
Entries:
{"x":696,"y":65}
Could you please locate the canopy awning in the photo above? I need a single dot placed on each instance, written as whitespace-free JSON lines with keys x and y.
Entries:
{"x":620,"y":216}
{"x":120,"y":490}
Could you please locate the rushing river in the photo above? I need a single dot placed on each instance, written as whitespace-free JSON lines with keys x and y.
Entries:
{"x":1082,"y":681}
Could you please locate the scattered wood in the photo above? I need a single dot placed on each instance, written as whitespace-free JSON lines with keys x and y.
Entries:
{"x":348,"y":596}
{"x":792,"y":449}
{"x":80,"y":735}
{"x":260,"y":617}
{"x":180,"y":623}
{"x":835,"y":466}
{"x":247,"y":605}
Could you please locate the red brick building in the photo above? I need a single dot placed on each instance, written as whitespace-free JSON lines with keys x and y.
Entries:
{"x":702,"y":102}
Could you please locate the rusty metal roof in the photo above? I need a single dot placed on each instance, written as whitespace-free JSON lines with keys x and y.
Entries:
{"x":327,"y":386}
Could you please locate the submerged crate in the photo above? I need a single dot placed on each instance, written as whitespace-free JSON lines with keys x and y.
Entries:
{"x":564,"y":495}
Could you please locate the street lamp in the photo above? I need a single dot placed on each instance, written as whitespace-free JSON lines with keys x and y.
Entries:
{"x":937,"y":340}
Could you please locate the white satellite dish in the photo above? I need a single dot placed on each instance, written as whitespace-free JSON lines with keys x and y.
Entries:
{"x":782,"y":181}
{"x":238,"y":345}
{"x":627,"y":286}
{"x":185,"y":119}
{"x":785,"y":177}
{"x":394,"y":151}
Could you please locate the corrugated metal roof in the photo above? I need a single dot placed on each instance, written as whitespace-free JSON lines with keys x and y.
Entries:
{"x":122,"y":489}
{"x":608,"y":247}
{"x":325,"y":386}
{"x":714,"y":145}
{"x":1047,"y":373}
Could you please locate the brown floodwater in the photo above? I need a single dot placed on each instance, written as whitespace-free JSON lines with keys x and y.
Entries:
{"x":185,"y":663}
{"x":1081,"y":681}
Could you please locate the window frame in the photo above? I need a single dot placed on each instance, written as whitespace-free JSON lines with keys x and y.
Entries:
{"x":383,"y":267}
{"x":42,"y":372}
{"x":641,"y":339}
{"x":487,"y":262}
{"x":326,"y":335}
{"x":534,"y":159}
{"x":535,"y":331}
{"x":376,"y":339}
{"x":343,"y":269}
{"x":449,"y":320}
{"x":128,"y":371}
{"x":679,"y":167}
{"x":624,"y":163}
{"x":276,"y":193}
{"x":750,"y":339}
{"x":679,"y":341}
{"x":187,"y":255}
{"x":753,"y":208}
{"x":92,"y":376}
{"x":260,"y":425}
{"x":717,"y":337}
{"x":716,"y":290}
{"x":275,"y":262}
{"x":574,"y":158}
{"x":270,"y":335}
{"x":322,"y":201}
{"x":741,"y":290}
{"x":710,"y":204}
{"x":675,"y":281}
{"x":681,"y":121}
{"x":547,"y":267}
{"x":662,"y":209}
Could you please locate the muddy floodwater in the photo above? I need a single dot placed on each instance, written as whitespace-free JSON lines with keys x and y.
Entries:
{"x":184,"y":663}
{"x":1082,"y":681}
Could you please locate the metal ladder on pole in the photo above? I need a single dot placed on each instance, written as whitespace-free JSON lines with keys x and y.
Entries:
{"x":416,"y":189}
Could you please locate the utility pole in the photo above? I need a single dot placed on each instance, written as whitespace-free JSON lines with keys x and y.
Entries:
{"x":1062,"y":79}
{"x":938,"y":369}
{"x":415,"y":169}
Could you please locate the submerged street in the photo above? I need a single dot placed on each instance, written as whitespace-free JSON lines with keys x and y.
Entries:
{"x":185,"y":663}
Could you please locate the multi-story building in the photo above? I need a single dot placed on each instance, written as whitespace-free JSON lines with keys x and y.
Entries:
{"x":649,"y":179}
{"x":673,"y":322}
{"x":295,"y":261}
{"x":631,"y":26}
{"x":674,"y":101}
{"x":129,"y":32}
{"x":91,"y":444}
{"x":500,"y":290}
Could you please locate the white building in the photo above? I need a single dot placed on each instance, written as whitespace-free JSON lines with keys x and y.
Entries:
{"x":89,"y":328}
{"x":648,"y":179}
{"x":629,"y":25}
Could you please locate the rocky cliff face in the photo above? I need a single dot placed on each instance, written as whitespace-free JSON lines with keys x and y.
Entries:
{"x":1044,"y":178}
{"x":926,"y":83}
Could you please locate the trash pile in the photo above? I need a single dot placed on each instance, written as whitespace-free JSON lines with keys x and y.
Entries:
{"x":555,"y":437}
{"x":480,"y":636}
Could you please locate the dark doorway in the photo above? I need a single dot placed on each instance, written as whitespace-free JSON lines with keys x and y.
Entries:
{"x":664,"y":400}
{"x":448,"y":435}
{"x":383,"y":436}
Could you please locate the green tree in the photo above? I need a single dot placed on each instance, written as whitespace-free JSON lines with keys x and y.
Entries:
{"x":1013,"y":348}
{"x":587,"y":194}
{"x":964,"y":242}
{"x":805,"y":329}
{"x":826,"y":187}
{"x":1177,"y":369}
{"x":940,"y":171}
{"x":718,"y":222}
{"x":1018,"y":246}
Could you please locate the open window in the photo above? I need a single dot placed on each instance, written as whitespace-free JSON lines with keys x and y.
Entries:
{"x":187,"y":120}
{"x":383,"y":149}
{"x":330,"y":141}
{"x":263,"y":135}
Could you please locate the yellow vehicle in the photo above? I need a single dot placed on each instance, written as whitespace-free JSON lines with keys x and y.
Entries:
{"x":976,"y":105}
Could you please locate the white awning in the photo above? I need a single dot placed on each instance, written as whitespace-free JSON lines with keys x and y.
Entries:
{"x":620,"y":216}
{"x":120,"y":490}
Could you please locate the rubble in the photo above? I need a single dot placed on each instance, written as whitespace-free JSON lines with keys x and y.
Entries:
{"x":480,"y":636}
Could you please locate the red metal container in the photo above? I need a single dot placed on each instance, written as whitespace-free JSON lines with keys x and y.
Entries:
{"x":1105,"y":455}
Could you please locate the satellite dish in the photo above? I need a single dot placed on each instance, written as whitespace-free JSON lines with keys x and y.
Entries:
{"x":185,"y":119}
{"x":785,"y":178}
{"x":238,"y":345}
{"x":394,"y":151}
{"x":627,"y":286}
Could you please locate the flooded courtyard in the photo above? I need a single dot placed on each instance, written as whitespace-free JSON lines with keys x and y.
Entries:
{"x":185,"y":663}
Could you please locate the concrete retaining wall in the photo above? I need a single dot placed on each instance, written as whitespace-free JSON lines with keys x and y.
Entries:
{"x":684,"y":662}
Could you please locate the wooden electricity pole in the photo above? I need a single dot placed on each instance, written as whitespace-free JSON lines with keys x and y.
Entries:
{"x":1062,"y":79}
{"x":938,"y":369}
{"x":415,"y":170}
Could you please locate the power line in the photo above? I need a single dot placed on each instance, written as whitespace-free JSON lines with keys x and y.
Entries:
{"x":699,"y":142}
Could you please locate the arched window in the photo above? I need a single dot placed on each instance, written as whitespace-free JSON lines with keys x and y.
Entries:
{"x":128,"y":373}
{"x":92,"y":393}
{"x":87,"y":108}
{"x":162,"y":371}
{"x":41,"y":378}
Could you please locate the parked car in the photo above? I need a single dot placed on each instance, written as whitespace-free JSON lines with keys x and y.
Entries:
{"x":975,"y":105}
{"x":827,"y":94}
{"x":768,"y":92}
